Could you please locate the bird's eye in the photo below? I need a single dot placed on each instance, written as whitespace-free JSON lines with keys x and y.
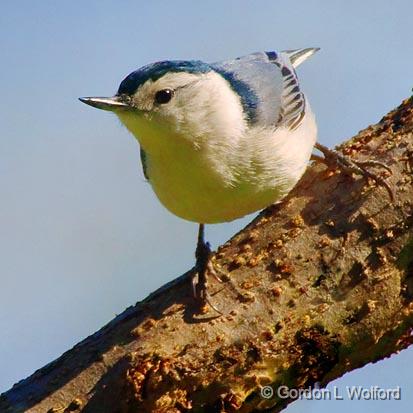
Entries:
{"x":163,"y":96}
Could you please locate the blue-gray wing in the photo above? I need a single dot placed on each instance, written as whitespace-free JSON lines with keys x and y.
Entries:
{"x":268,"y":87}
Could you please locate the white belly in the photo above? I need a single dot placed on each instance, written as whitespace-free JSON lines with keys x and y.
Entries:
{"x":209,"y":186}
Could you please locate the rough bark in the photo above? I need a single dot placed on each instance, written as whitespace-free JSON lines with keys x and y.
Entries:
{"x":319,"y":285}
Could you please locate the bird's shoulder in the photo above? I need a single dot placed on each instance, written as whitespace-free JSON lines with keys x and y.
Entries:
{"x":268,"y":87}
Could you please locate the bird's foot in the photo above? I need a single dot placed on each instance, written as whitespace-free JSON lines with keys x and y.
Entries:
{"x":203,"y":268}
{"x":334,"y":159}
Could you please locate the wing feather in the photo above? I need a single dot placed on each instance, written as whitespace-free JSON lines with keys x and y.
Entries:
{"x":292,"y":99}
{"x":268,"y":86}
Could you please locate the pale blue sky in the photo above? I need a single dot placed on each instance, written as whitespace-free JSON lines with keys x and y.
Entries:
{"x":82,"y":235}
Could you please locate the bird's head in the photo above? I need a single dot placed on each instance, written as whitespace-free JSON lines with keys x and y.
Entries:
{"x":176,"y":102}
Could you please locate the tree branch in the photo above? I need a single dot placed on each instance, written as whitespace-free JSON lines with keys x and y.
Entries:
{"x":320,"y":284}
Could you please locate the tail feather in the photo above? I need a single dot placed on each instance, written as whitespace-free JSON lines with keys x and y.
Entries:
{"x":298,"y":56}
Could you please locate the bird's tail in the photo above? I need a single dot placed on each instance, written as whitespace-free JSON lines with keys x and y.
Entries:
{"x":298,"y":56}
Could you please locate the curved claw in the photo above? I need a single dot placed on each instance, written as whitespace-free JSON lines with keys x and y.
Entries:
{"x":208,"y":301}
{"x":332,"y":157}
{"x":201,"y":294}
{"x":378,"y":179}
{"x":374,"y":163}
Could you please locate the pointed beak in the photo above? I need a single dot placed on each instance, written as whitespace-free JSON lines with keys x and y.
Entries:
{"x":112,"y":104}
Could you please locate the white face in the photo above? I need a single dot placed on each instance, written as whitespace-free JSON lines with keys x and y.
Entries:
{"x":184,"y":107}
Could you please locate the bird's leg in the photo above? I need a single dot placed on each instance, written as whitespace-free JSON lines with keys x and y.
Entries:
{"x":203,"y":265}
{"x":332,"y":158}
{"x":202,"y":255}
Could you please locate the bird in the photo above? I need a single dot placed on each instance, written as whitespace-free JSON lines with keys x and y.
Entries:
{"x":222,"y":140}
{"x":218,"y":140}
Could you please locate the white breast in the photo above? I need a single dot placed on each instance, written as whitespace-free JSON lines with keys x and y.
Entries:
{"x":217,"y":183}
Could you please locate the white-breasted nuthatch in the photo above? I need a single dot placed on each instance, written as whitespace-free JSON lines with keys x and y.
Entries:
{"x":222,"y":140}
{"x":218,"y":141}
